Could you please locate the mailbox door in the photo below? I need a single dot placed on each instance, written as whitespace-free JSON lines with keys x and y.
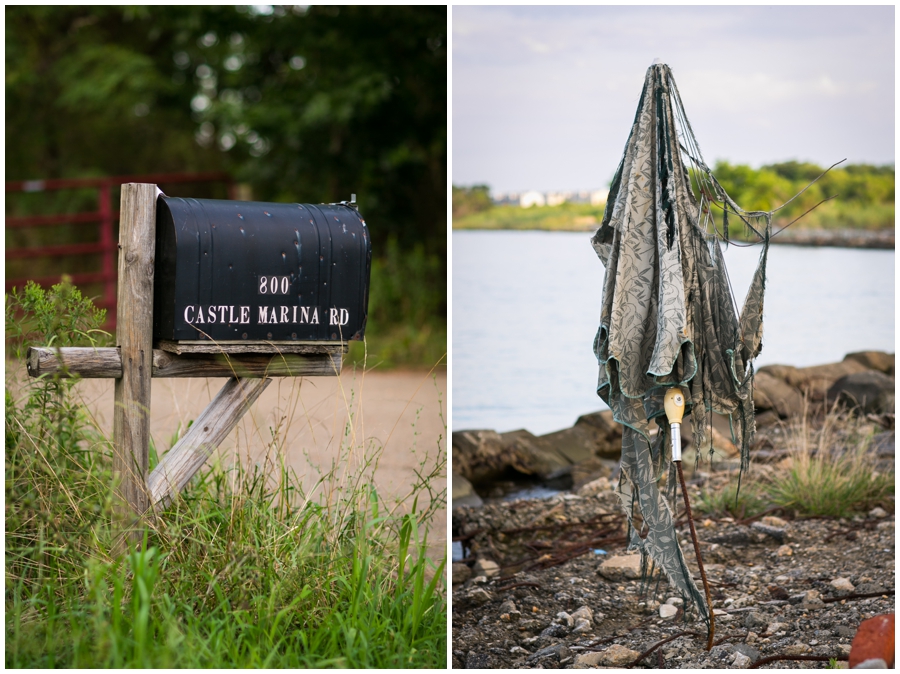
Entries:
{"x":250,"y":271}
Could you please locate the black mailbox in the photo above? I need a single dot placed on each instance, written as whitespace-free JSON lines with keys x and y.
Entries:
{"x":238,"y":272}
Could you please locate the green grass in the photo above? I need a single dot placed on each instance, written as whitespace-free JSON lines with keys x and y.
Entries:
{"x":831,"y":470}
{"x":243,"y":570}
{"x":565,"y":217}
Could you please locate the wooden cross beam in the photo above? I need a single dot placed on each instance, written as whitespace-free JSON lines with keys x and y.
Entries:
{"x":134,"y":361}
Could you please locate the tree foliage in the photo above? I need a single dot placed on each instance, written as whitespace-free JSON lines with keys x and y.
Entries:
{"x":306,"y":104}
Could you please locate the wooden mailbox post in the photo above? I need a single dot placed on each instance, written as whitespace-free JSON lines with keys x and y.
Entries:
{"x":309,"y":350}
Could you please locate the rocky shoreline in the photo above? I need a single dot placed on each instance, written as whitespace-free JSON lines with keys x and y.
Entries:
{"x":548,"y":583}
{"x":572,"y":457}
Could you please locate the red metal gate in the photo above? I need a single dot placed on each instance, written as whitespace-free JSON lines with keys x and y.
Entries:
{"x":104,"y":215}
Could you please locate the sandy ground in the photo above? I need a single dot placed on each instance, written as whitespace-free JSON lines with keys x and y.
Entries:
{"x":401,"y":412}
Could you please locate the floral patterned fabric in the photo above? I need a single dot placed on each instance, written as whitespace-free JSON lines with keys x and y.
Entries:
{"x":668,"y":318}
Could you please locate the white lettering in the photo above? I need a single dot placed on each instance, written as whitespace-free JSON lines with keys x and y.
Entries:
{"x":264,"y":315}
{"x":345,"y":317}
{"x":199,"y":318}
{"x":186,"y":310}
{"x":295,"y":314}
{"x":284,"y":313}
{"x":212,"y":314}
{"x":333,"y":319}
{"x":304,"y":314}
{"x":245,"y":314}
{"x":231,"y":314}
{"x":315,"y":317}
{"x":262,"y":285}
{"x":222,"y":309}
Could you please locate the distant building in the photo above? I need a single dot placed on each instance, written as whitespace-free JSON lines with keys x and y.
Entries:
{"x":598,"y":197}
{"x":532,"y":198}
{"x":557,"y":198}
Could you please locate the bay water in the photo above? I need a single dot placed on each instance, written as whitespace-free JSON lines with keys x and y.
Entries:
{"x":526,"y":307}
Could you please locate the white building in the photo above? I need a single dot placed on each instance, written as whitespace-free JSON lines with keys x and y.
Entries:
{"x":532,"y":198}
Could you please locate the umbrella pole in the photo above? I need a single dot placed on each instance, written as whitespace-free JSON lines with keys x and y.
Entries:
{"x":674,"y":406}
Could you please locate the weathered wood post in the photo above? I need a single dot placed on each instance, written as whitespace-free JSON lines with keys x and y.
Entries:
{"x":134,"y":338}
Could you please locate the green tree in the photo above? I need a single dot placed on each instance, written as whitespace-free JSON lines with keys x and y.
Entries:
{"x":307,"y":104}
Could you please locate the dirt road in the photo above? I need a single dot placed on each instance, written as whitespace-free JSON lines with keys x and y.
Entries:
{"x":318,"y":423}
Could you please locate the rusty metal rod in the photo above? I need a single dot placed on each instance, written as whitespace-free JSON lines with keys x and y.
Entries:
{"x":687,"y":506}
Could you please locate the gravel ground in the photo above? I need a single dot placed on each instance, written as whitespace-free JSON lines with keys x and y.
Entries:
{"x":531,"y":592}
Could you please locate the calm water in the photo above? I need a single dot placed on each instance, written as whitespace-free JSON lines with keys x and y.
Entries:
{"x":526,"y":306}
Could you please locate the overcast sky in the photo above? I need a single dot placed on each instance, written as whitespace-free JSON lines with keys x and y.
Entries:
{"x":544,"y":97}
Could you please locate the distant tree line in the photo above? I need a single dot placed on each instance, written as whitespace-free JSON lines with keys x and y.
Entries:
{"x":304,"y":104}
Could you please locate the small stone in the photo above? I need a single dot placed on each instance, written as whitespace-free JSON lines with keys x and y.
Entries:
{"x":518,"y":650}
{"x":599,"y":485}
{"x":585,"y":660}
{"x":844,"y":631}
{"x":583,"y":613}
{"x":774,"y":532}
{"x":842,"y":585}
{"x":507,"y":606}
{"x":878,"y":513}
{"x":754,"y":620}
{"x":784,"y":551}
{"x":796,"y":649}
{"x":477,"y":661}
{"x":667,"y":611}
{"x":675,"y":601}
{"x":556,"y":631}
{"x":621,"y":567}
{"x":582,"y":626}
{"x":504,"y":616}
{"x":773,"y":521}
{"x":740,"y":660}
{"x":478,"y":595}
{"x":486,"y":567}
{"x":617,"y":656}
{"x":461,"y":573}
{"x":775,"y":628}
{"x":749,"y":651}
{"x":479,"y":580}
{"x":811,"y":598}
{"x":884,"y":526}
{"x":564,"y":618}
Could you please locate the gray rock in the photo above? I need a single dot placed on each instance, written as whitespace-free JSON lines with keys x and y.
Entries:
{"x":486,"y":567}
{"x":844,"y":631}
{"x":460,"y":573}
{"x":478,"y":595}
{"x":871,"y":392}
{"x":737,"y":536}
{"x":740,"y":661}
{"x":464,"y":493}
{"x":747,"y":650}
{"x":585,"y":660}
{"x":617,"y":656}
{"x":563,"y":618}
{"x":774,"y":532}
{"x":869,"y":588}
{"x":508,"y":605}
{"x":582,"y":626}
{"x":555,"y":631}
{"x":755,"y":621}
{"x":842,"y":585}
{"x":884,"y":444}
{"x":621,"y":567}
{"x":878,"y":513}
{"x":583,"y":613}
{"x":556,"y":652}
{"x":667,"y":611}
{"x":478,"y":661}
{"x":874,"y":360}
{"x":773,"y":393}
{"x":872,"y":663}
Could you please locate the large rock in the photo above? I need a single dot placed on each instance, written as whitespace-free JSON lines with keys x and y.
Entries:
{"x":478,"y":455}
{"x":772,"y":393}
{"x":813,"y":381}
{"x":533,"y":455}
{"x":621,"y":567}
{"x":874,"y":360}
{"x":871,"y":392}
{"x":607,"y":433}
{"x":577,"y":443}
{"x":463,"y":493}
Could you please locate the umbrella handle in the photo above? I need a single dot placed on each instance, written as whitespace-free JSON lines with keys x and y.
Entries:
{"x":673,"y":403}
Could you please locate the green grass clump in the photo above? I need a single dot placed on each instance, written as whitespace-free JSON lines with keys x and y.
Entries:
{"x":748,"y":501}
{"x":832,"y":471}
{"x":243,"y":569}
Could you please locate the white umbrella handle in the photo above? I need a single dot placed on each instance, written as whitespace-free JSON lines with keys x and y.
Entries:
{"x":674,"y":406}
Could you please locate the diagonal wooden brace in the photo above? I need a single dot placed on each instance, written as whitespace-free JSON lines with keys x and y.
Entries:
{"x":181,"y":463}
